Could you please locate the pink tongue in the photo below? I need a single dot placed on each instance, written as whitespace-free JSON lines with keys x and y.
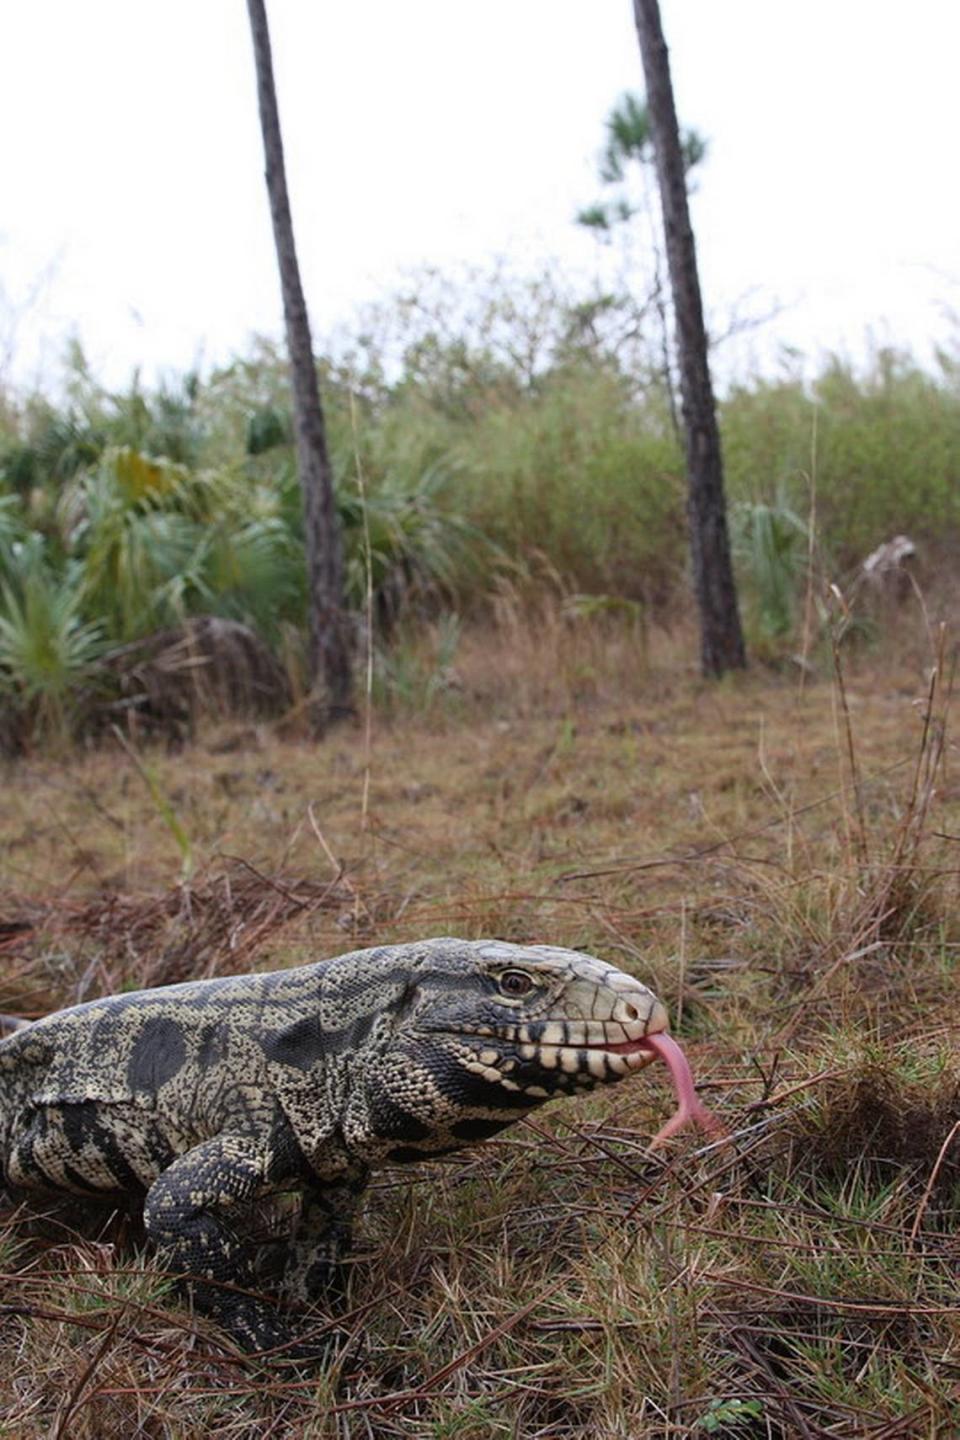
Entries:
{"x":690,"y":1108}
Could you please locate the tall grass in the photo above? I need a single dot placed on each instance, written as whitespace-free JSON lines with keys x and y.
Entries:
{"x":511,"y":435}
{"x":888,"y":441}
{"x":580,"y":479}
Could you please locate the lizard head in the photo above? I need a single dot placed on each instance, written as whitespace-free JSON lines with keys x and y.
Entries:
{"x":489,"y":1031}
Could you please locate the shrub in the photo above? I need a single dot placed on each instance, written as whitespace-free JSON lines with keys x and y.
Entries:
{"x":887,"y":451}
{"x":48,"y":652}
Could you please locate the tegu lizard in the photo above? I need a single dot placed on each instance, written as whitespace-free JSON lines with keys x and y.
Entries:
{"x":207,"y":1096}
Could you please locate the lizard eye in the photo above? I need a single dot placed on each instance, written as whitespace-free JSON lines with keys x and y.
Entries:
{"x":515,"y":983}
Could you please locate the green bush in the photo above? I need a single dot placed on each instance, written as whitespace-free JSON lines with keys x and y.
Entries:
{"x":48,"y":651}
{"x":885,"y":445}
{"x":581,"y":479}
{"x":511,"y":430}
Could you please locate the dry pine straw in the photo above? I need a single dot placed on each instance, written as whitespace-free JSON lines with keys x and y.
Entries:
{"x":799,"y":1281}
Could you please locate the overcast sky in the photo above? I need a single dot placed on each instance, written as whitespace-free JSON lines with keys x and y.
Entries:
{"x":132,"y":203}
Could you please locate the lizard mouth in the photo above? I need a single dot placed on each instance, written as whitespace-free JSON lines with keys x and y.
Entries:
{"x":608,"y":1060}
{"x":639,"y":1050}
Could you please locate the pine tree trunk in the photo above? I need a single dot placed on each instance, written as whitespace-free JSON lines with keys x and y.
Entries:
{"x":721,"y":638}
{"x":330,"y":655}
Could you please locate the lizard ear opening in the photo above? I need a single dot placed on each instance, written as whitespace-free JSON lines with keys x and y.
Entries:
{"x":404,"y":1002}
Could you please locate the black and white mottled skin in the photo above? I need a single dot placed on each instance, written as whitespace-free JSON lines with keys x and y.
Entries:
{"x":208,"y":1096}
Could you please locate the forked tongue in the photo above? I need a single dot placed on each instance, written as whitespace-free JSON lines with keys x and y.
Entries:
{"x":690,"y":1108}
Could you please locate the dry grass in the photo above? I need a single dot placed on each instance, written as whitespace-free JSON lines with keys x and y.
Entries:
{"x":778,"y":861}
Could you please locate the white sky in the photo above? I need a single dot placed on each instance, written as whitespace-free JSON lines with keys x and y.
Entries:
{"x":433,"y":131}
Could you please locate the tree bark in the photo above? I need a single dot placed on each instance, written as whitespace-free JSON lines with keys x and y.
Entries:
{"x":721,"y":638}
{"x":330,"y":660}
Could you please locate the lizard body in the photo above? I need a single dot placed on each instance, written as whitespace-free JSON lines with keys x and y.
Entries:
{"x":207,"y":1096}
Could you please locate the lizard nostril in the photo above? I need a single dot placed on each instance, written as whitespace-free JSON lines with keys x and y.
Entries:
{"x":631,"y":1011}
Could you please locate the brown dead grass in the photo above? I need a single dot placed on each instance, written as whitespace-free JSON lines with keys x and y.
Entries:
{"x":577,"y":785}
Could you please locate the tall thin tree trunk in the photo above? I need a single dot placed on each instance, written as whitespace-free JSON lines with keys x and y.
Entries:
{"x":721,"y":638}
{"x":330,"y":655}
